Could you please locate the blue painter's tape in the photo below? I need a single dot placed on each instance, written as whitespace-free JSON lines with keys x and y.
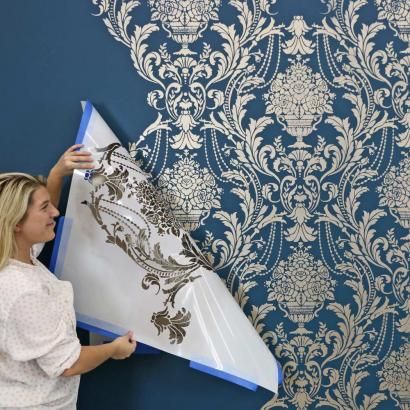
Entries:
{"x":88,"y":109}
{"x":280,"y":373}
{"x":56,"y":246}
{"x":100,"y":326}
{"x":97,"y":330}
{"x":141,"y":347}
{"x":223,"y":375}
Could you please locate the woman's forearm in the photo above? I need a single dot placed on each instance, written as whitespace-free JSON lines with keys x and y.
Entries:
{"x":90,"y":358}
{"x":54,"y":186}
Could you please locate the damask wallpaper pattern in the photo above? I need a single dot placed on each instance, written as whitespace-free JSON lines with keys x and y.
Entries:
{"x":281,"y":141}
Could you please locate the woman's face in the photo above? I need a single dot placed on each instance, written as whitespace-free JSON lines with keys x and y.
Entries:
{"x":38,"y":224}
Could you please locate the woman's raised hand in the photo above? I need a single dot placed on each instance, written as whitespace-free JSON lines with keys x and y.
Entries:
{"x":66,"y":164}
{"x":72,"y":159}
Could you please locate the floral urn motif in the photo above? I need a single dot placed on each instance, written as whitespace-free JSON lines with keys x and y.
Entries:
{"x":190,"y":190}
{"x":299,"y":98}
{"x":300,"y":285}
{"x":395,"y":192}
{"x":397,"y":13}
{"x":395,"y":376}
{"x":184,"y":20}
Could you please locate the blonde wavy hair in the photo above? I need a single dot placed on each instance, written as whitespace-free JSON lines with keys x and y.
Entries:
{"x":16,"y":190}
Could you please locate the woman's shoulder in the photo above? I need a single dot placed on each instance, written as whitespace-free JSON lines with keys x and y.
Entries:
{"x":16,"y":279}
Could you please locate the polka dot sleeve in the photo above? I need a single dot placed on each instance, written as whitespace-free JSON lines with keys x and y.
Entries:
{"x":36,"y":330}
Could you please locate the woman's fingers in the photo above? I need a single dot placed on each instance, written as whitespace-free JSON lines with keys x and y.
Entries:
{"x":130,"y":336}
{"x":73,"y":159}
{"x":78,"y":154}
{"x":80,"y":157}
{"x":73,"y":152}
{"x":75,"y":147}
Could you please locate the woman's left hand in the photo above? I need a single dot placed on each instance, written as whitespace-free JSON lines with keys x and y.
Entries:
{"x":67,"y":163}
{"x":70,"y":160}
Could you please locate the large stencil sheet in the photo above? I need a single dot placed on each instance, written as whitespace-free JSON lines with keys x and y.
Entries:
{"x":133,"y":267}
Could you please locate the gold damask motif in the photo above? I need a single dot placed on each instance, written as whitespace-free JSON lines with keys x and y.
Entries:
{"x":309,"y":222}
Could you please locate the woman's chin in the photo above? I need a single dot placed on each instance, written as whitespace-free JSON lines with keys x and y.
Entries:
{"x":50,"y":237}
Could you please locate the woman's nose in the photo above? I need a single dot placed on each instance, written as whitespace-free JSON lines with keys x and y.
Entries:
{"x":55,"y":212}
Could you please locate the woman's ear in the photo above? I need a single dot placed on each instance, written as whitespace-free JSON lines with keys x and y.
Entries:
{"x":17,"y":228}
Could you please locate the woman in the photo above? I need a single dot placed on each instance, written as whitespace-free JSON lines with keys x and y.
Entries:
{"x":40,"y":355}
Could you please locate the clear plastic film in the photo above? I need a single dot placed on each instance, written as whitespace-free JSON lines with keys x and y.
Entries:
{"x":133,"y":267}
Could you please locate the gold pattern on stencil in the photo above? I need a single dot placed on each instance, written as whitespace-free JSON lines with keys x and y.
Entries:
{"x":117,"y":177}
